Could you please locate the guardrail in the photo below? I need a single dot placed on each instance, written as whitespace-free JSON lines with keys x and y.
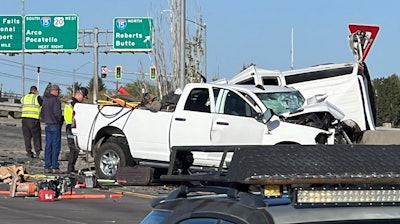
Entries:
{"x":11,"y":110}
{"x":14,"y":107}
{"x":10,"y":95}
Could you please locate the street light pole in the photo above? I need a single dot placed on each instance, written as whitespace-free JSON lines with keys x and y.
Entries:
{"x":38,"y":78}
{"x":74,"y":70}
{"x":73,"y":81}
{"x":205,"y":51}
{"x":182,"y":61}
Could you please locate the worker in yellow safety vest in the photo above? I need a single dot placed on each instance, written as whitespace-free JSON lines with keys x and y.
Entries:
{"x":31,"y":108}
{"x":79,"y":96}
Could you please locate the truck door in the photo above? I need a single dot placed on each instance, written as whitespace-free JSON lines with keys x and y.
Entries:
{"x":191,"y":124}
{"x":234,"y":121}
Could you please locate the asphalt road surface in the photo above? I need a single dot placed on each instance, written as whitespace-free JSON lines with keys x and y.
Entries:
{"x":22,"y":210}
{"x":131,"y":208}
{"x":12,"y":149}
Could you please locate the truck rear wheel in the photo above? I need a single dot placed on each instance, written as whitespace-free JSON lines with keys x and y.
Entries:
{"x":108,"y":159}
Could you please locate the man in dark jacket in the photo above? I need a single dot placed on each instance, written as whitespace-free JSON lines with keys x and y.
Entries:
{"x":80,"y":95}
{"x":52,"y":116}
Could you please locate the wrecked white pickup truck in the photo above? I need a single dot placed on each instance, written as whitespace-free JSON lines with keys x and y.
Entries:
{"x":347,"y":85}
{"x":205,"y":114}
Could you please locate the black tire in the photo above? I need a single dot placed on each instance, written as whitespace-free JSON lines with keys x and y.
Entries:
{"x":108,"y":159}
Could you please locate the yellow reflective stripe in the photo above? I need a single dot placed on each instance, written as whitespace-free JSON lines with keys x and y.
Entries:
{"x":33,"y":99}
{"x":31,"y":105}
{"x":30,"y":112}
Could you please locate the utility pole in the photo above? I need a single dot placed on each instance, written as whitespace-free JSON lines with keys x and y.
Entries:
{"x":292,"y":52}
{"x":95,"y":45}
{"x":95,"y":65}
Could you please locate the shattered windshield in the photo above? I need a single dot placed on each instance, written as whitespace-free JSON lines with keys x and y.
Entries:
{"x":282,"y":102}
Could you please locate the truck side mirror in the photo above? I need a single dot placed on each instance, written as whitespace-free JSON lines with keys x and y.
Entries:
{"x":267,"y":116}
{"x":266,"y":119}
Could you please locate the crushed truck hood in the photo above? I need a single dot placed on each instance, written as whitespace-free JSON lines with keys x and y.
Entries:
{"x":315,"y":108}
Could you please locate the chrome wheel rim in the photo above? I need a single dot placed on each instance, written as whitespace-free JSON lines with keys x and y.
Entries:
{"x":109,"y":163}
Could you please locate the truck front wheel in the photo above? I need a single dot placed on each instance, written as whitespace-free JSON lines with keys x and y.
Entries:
{"x":108,"y":159}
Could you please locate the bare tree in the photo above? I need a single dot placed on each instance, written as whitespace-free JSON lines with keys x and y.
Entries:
{"x":168,"y":53}
{"x":160,"y":53}
{"x":195,"y":50}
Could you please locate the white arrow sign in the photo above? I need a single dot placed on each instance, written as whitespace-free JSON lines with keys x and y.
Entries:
{"x":146,"y":39}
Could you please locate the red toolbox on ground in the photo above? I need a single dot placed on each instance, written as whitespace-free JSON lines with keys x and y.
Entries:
{"x":46,"y":195}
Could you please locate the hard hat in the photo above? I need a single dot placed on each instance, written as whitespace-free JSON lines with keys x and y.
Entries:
{"x":84,"y":91}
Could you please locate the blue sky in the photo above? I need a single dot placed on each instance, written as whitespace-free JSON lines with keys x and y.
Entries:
{"x":238,"y":33}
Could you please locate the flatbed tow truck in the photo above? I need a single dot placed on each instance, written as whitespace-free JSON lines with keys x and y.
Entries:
{"x":287,"y":184}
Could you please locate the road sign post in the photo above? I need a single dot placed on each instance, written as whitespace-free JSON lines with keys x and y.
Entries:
{"x":133,"y":34}
{"x":10,"y":33}
{"x":51,"y":32}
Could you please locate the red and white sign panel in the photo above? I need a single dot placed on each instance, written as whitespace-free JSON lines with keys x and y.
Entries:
{"x":370,"y":32}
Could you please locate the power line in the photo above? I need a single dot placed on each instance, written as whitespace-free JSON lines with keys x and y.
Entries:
{"x":59,"y":73}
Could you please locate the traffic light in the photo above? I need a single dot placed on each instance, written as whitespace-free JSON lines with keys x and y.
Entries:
{"x":153,"y":72}
{"x":118,"y":72}
{"x":104,"y":71}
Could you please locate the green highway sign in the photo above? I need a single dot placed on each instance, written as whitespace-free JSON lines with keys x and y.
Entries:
{"x":10,"y":33}
{"x":51,"y":32}
{"x":133,"y":34}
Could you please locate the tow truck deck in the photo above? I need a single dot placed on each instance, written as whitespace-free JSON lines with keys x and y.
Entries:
{"x":287,"y":184}
{"x":295,"y":164}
